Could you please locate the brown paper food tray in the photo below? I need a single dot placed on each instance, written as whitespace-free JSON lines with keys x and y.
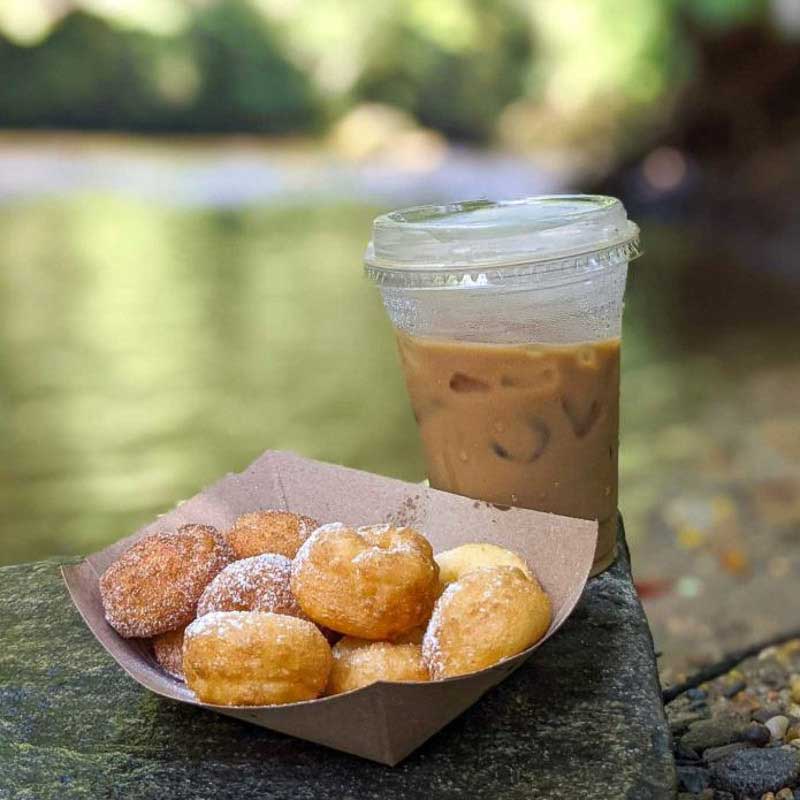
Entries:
{"x":385,"y":721}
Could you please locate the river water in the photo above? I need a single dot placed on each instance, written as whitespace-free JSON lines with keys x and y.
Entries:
{"x":170,"y":310}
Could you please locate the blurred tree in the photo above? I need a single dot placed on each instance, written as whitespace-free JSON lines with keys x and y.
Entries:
{"x":225,"y":73}
{"x":454,"y":65}
{"x":595,"y":76}
{"x":85,"y":75}
{"x":246,"y":81}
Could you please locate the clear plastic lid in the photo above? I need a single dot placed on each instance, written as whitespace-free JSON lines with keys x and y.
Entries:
{"x":485,"y":240}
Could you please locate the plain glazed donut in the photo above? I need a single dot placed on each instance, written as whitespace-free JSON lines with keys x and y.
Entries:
{"x":455,"y":563}
{"x":490,"y":614}
{"x":373,"y":582}
{"x":360,"y":662}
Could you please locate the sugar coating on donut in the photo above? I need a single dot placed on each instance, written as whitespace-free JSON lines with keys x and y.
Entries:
{"x":372,"y":582}
{"x":155,"y":585}
{"x":255,"y":658}
{"x":269,"y":531}
{"x":490,"y":614}
{"x":360,"y":662}
{"x":260,"y":583}
{"x":168,"y":652}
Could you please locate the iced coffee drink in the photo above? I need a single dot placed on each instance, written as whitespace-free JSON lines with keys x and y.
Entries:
{"x":522,"y":425}
{"x":508,"y":321}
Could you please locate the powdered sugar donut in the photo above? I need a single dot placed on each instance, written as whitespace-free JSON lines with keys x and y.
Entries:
{"x":373,"y":582}
{"x":489,"y":614}
{"x":269,"y":531}
{"x":255,"y":658}
{"x":260,"y":583}
{"x":155,"y":585}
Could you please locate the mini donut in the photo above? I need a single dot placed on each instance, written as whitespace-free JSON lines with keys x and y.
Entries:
{"x":156,"y":583}
{"x":359,"y":662}
{"x":373,"y":582}
{"x":243,"y":658}
{"x":260,"y":583}
{"x":168,"y":651}
{"x":414,"y":636}
{"x":269,"y":531}
{"x":489,"y":614}
{"x":455,"y":563}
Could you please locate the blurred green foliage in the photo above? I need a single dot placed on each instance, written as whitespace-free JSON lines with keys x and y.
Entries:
{"x":458,"y":85}
{"x":573,"y":69}
{"x":225,"y":72}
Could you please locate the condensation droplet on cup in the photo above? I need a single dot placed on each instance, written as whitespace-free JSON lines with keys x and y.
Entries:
{"x":464,"y":456}
{"x":499,"y":426}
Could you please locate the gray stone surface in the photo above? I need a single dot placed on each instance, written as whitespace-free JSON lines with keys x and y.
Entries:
{"x":753,"y":772}
{"x":582,"y":719}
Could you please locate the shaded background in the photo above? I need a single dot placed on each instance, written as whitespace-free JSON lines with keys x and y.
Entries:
{"x":186,"y":189}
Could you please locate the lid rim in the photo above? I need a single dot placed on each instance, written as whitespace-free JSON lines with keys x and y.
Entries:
{"x":588,"y":261}
{"x":631,"y":236}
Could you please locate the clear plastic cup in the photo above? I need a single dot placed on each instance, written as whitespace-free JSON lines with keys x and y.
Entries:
{"x":508,"y":321}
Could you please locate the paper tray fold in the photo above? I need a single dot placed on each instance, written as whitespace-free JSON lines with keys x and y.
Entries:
{"x":385,"y":721}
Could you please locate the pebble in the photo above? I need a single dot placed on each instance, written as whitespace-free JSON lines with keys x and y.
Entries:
{"x":793,"y":733}
{"x":794,"y":688}
{"x":716,"y":753}
{"x":785,"y":794}
{"x":686,"y":754}
{"x":754,"y":771}
{"x":745,"y":702}
{"x":693,"y":779}
{"x":735,"y":688}
{"x":757,"y":734}
{"x":766,"y":713}
{"x":696,"y":694}
{"x":795,"y":743}
{"x":768,"y":796}
{"x":706,"y":733}
{"x":772,"y":675}
{"x":777,"y":726}
{"x":680,"y":723}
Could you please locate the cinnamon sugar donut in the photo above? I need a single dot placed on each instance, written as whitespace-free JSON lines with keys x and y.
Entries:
{"x":255,"y":658}
{"x":156,"y":583}
{"x":168,"y":651}
{"x":373,"y":582}
{"x":489,"y":614}
{"x":269,"y":531}
{"x":360,"y":662}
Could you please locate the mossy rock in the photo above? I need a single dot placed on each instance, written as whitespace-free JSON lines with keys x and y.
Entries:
{"x":582,"y":719}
